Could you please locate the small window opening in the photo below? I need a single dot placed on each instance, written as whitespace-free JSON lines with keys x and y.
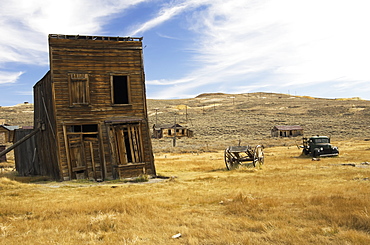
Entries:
{"x":120,"y":91}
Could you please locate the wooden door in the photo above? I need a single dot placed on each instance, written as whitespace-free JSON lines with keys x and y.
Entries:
{"x":85,"y":157}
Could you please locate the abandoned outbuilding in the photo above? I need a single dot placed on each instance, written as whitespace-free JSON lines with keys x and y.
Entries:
{"x":287,"y":131}
{"x":7,"y":133}
{"x":170,"y":130}
{"x":90,"y":110}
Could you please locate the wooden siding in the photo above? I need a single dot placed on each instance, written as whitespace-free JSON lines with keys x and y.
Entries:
{"x":2,"y":158}
{"x":44,"y":116}
{"x":26,"y":157}
{"x":96,"y":61}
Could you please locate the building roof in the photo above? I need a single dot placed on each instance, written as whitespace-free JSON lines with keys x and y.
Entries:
{"x":10,"y":128}
{"x":163,"y":126}
{"x":101,"y":38}
{"x":289,"y":127}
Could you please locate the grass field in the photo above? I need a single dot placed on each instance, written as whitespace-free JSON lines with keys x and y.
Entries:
{"x":290,"y":200}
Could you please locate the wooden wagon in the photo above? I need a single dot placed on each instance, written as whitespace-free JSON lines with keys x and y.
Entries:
{"x":238,"y":155}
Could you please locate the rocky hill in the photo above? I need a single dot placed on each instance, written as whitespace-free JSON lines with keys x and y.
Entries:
{"x":219,"y":120}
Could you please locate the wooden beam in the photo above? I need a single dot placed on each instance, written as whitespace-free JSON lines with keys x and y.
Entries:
{"x":20,"y":141}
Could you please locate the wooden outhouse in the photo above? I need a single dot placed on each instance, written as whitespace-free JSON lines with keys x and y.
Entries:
{"x":91,"y":108}
{"x":170,"y":130}
{"x":287,"y":131}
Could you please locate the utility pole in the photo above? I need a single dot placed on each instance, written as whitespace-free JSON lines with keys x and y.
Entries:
{"x":186,"y":113}
{"x":233,"y":97}
{"x":174,"y":134}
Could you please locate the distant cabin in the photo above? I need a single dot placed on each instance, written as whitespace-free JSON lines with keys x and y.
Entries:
{"x":7,"y":133}
{"x":170,"y":130}
{"x":91,"y":112}
{"x":287,"y":131}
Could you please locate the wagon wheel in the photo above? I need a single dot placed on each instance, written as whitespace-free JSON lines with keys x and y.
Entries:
{"x":258,"y":156}
{"x":230,"y":161}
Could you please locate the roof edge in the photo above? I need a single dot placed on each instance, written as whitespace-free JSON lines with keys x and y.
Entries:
{"x":101,"y":38}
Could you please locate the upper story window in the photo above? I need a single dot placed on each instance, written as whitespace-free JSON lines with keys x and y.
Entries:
{"x":120,"y":89}
{"x":79,"y":93}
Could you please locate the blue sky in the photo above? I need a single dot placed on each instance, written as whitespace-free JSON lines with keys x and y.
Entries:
{"x":318,"y":48}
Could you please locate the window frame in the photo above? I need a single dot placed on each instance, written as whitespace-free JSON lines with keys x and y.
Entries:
{"x":75,"y":78}
{"x":112,"y":90}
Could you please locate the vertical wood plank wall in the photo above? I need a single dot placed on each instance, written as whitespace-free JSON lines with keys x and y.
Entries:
{"x":44,"y":113}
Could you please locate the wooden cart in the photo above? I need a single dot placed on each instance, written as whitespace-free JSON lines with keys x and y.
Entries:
{"x":237,"y":155}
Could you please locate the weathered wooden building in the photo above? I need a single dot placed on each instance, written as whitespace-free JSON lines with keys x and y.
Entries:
{"x":7,"y":133}
{"x":91,"y":106}
{"x":170,"y":130}
{"x":26,"y":158}
{"x":287,"y":131}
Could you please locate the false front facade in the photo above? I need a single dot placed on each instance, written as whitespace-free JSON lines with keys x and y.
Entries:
{"x":92,"y":108}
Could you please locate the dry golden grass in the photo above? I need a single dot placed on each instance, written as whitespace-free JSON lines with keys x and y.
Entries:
{"x":290,"y":200}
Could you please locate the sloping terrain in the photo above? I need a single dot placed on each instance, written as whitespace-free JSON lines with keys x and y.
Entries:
{"x":219,"y":120}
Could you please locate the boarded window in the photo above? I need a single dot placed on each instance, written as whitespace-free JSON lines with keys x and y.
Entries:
{"x":79,"y":89}
{"x":120,"y":89}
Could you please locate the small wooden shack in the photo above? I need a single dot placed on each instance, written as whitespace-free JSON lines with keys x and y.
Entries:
{"x":287,"y":131}
{"x":91,"y":110}
{"x":170,"y":130}
{"x":7,"y":133}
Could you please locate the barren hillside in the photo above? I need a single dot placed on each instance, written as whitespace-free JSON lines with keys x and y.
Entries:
{"x":219,"y":120}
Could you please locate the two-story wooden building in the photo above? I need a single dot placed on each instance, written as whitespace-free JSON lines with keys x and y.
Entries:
{"x":92,"y":109}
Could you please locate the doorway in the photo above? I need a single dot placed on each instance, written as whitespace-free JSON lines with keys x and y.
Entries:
{"x":83,"y":149}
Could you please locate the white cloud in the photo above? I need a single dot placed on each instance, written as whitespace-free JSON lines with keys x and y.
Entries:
{"x":9,"y":77}
{"x":25,"y":24}
{"x":240,"y":45}
{"x":297,"y":43}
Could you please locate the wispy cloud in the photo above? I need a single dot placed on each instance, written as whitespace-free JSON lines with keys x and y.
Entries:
{"x":298,"y":43}
{"x":166,"y":13}
{"x":25,"y":24}
{"x":9,"y":77}
{"x":238,"y":45}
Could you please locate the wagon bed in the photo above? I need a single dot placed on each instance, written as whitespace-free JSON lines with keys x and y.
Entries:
{"x":237,"y":155}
